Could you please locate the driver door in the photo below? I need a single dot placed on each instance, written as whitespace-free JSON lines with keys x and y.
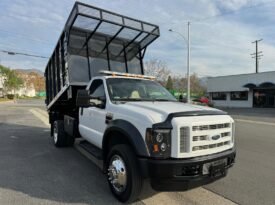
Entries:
{"x":92,"y":120}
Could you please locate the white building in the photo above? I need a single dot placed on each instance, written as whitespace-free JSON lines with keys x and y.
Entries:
{"x":26,"y":91}
{"x":1,"y":86}
{"x":246,"y":90}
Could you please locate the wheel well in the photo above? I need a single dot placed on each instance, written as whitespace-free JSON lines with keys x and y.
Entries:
{"x":114,"y":138}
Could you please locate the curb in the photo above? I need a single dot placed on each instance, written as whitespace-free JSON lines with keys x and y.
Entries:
{"x":7,"y":102}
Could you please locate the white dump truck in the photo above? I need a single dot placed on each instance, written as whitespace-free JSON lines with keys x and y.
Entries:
{"x":133,"y":127}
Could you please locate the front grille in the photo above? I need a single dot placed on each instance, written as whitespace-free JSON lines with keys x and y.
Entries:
{"x":210,"y":127}
{"x":205,"y":137}
{"x":210,"y":146}
{"x":225,"y":134}
{"x":199,"y":138}
{"x":184,"y":138}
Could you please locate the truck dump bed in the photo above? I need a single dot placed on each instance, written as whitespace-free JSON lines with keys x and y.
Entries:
{"x":94,"y":40}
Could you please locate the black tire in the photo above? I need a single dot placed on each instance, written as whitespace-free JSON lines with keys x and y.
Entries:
{"x":134,"y":178}
{"x":60,"y":138}
{"x":70,"y":140}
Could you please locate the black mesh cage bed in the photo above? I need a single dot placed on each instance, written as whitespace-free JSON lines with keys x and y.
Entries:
{"x":111,"y":41}
{"x":94,"y":40}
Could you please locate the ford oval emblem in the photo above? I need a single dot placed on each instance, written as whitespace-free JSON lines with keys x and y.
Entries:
{"x":215,"y":137}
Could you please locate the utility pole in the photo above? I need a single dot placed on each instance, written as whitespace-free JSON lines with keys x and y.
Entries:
{"x":257,"y":55}
{"x":187,"y":41}
{"x":188,"y":65}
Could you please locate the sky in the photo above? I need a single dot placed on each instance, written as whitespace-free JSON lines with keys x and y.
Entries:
{"x":222,"y":32}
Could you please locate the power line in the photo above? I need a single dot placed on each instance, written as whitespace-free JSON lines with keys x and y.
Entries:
{"x":15,"y":48}
{"x":9,"y":52}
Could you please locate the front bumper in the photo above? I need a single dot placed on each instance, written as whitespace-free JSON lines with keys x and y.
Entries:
{"x":183,"y":174}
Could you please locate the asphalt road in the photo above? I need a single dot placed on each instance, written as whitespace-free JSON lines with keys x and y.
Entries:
{"x":33,"y":171}
{"x":255,"y":114}
{"x":252,"y":180}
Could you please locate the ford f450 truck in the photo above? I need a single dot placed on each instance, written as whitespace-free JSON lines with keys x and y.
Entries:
{"x":134,"y":128}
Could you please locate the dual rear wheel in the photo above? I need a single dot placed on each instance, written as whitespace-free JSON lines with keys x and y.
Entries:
{"x":60,"y":137}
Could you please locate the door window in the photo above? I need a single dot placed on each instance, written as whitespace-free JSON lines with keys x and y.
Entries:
{"x":97,"y":89}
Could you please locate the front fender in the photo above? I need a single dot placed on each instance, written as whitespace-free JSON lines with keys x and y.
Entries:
{"x":130,"y":132}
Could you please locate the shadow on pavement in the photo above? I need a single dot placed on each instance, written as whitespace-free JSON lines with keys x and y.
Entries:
{"x":32,"y":165}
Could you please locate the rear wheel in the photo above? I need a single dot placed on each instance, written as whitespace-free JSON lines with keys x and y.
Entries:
{"x":124,"y":177}
{"x":60,"y":138}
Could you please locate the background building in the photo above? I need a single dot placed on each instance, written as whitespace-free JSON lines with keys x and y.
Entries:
{"x":30,"y":82}
{"x":1,"y":85}
{"x":25,"y":91}
{"x":246,"y":90}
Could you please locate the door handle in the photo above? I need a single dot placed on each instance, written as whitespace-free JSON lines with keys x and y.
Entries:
{"x":108,"y":118}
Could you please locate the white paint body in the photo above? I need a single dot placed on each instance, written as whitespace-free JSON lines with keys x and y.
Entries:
{"x":144,"y":114}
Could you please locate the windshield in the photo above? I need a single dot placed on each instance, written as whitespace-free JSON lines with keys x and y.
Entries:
{"x":124,"y":89}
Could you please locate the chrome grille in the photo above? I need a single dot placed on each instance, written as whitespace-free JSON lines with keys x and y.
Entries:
{"x":184,"y":139}
{"x":225,"y":134}
{"x":210,"y":127}
{"x":210,"y":146}
{"x":200,"y":137}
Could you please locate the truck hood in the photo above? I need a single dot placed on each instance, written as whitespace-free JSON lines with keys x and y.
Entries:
{"x":158,"y":111}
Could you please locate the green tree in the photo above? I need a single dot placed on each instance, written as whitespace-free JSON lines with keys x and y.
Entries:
{"x":3,"y":76}
{"x":198,"y":85}
{"x":169,"y":83}
{"x":11,"y":81}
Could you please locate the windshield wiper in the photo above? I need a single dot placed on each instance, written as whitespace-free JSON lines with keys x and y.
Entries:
{"x":124,"y":100}
{"x":163,"y":100}
{"x":130,"y":99}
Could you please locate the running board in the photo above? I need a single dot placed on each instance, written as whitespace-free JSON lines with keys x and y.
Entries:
{"x":90,"y":151}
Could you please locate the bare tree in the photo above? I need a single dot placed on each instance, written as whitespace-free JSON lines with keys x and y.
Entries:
{"x":196,"y":85}
{"x":32,"y":79}
{"x":158,"y":69}
{"x":180,"y":84}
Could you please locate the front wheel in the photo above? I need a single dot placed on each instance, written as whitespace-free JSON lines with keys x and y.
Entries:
{"x":124,"y":177}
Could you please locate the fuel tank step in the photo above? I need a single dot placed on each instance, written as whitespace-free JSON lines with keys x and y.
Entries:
{"x":90,"y":151}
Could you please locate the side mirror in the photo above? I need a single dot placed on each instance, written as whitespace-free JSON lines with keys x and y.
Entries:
{"x":83,"y":98}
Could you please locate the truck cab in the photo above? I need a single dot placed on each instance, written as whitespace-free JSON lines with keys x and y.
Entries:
{"x":133,"y":127}
{"x":177,"y":146}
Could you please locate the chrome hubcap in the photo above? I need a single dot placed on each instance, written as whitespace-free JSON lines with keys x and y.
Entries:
{"x":55,"y":133}
{"x":117,"y":174}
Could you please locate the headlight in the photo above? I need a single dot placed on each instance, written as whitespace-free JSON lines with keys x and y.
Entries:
{"x":159,"y":142}
{"x":159,"y":137}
